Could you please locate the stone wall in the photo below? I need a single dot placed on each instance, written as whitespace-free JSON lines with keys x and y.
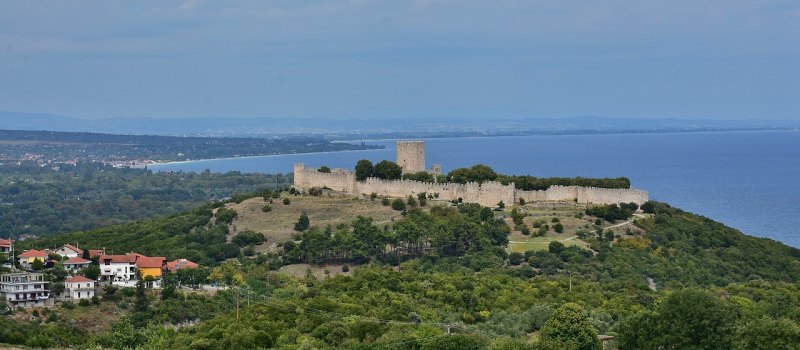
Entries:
{"x":486,"y":194}
{"x":337,"y":179}
{"x":411,"y":156}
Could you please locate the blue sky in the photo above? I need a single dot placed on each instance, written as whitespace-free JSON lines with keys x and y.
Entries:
{"x":724,"y":59}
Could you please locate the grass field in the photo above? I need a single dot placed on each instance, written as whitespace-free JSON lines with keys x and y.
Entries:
{"x":278,"y":224}
{"x":541,"y":243}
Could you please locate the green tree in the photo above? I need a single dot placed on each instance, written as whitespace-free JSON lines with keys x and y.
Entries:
{"x":767,"y":333}
{"x":687,"y":319}
{"x":569,"y":325}
{"x":559,"y":227}
{"x":324,"y":169}
{"x":91,"y":272}
{"x":142,"y":303}
{"x":387,"y":170}
{"x":364,"y":169}
{"x":37,"y":264}
{"x":302,"y":223}
{"x":398,"y":204}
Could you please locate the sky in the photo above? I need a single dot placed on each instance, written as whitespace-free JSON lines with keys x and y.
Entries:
{"x":719,"y":59}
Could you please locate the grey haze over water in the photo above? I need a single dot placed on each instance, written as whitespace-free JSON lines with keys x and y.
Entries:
{"x":747,"y":180}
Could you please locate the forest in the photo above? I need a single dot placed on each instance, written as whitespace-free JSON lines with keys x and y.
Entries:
{"x":441,"y":279}
{"x":44,"y":200}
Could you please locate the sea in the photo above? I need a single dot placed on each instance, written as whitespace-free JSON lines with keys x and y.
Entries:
{"x":749,"y":180}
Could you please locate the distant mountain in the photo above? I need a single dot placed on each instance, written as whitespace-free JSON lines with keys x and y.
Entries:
{"x":349,"y":128}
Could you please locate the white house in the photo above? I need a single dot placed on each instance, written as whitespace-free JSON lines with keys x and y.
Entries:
{"x":76,"y":263}
{"x":79,"y":287}
{"x":24,"y":289}
{"x":118,"y":268}
{"x":69,"y":251}
{"x":5,"y":251}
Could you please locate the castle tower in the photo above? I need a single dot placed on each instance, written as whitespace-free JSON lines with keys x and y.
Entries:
{"x":411,"y":156}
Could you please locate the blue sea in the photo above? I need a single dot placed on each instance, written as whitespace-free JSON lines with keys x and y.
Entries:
{"x":747,"y":180}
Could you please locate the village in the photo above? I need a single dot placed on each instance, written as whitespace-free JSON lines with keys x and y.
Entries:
{"x":42,"y":278}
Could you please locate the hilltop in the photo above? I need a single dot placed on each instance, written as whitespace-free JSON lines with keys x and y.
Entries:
{"x":415,"y":266}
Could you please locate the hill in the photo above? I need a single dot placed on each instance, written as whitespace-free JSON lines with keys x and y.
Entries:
{"x":678,"y":277}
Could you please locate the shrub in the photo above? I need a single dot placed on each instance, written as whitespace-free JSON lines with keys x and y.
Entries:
{"x":522,"y":201}
{"x":525,"y":230}
{"x":345,"y":268}
{"x":226,"y":215}
{"x":84,"y":302}
{"x":266,"y":208}
{"x":248,"y":237}
{"x":559,"y":227}
{"x":411,"y":201}
{"x":286,"y":201}
{"x":385,"y":202}
{"x":554,"y":220}
{"x":515,"y":258}
{"x":324,"y":169}
{"x":372,"y":196}
{"x":398,"y":204}
{"x":500,"y":204}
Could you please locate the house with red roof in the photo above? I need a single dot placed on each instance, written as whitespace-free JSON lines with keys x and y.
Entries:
{"x":76,"y":263}
{"x":174,"y":266}
{"x":27,"y":257}
{"x":79,"y":287}
{"x":118,"y":268}
{"x":69,"y":251}
{"x":95,"y":253}
{"x":5,"y":245}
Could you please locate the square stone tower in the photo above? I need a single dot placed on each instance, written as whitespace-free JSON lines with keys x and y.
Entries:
{"x":411,"y":156}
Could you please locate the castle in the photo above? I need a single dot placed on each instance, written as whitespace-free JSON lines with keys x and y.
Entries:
{"x":411,"y":157}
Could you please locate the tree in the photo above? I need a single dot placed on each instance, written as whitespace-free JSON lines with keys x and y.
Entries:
{"x":687,"y":319}
{"x":768,"y":333}
{"x":37,"y":264}
{"x":388,"y":170}
{"x":324,"y":169}
{"x":555,"y":247}
{"x":398,"y":204}
{"x":559,"y":227}
{"x":500,"y":204}
{"x":91,"y":272}
{"x":287,"y":201}
{"x":142,"y":304}
{"x":364,"y":169}
{"x":569,"y":325}
{"x":302,"y":223}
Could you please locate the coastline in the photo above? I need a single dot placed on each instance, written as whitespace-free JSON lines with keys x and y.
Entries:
{"x":159,"y":163}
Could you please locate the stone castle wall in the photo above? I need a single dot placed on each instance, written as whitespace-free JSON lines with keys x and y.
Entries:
{"x":486,"y":194}
{"x":411,"y":156}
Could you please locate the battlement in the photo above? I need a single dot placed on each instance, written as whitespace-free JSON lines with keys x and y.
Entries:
{"x":489,"y":193}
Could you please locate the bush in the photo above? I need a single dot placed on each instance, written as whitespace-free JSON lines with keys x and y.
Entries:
{"x":522,"y":201}
{"x":248,"y":237}
{"x":385,"y":202}
{"x":226,"y":215}
{"x":372,"y":196}
{"x":266,"y":208}
{"x":554,"y":220}
{"x":287,"y":201}
{"x":345,"y":268}
{"x":398,"y":204}
{"x":500,"y":204}
{"x":525,"y":230}
{"x":411,"y":201}
{"x":84,"y":302}
{"x":515,"y":258}
{"x":559,"y":227}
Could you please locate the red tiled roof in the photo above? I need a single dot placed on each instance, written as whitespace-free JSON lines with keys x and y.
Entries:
{"x":33,"y":253}
{"x":74,"y":248}
{"x":77,"y":260}
{"x":146,"y":261}
{"x":126,"y":258}
{"x":96,"y":252}
{"x":181,"y":264}
{"x":5,"y":242}
{"x":77,"y":279}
